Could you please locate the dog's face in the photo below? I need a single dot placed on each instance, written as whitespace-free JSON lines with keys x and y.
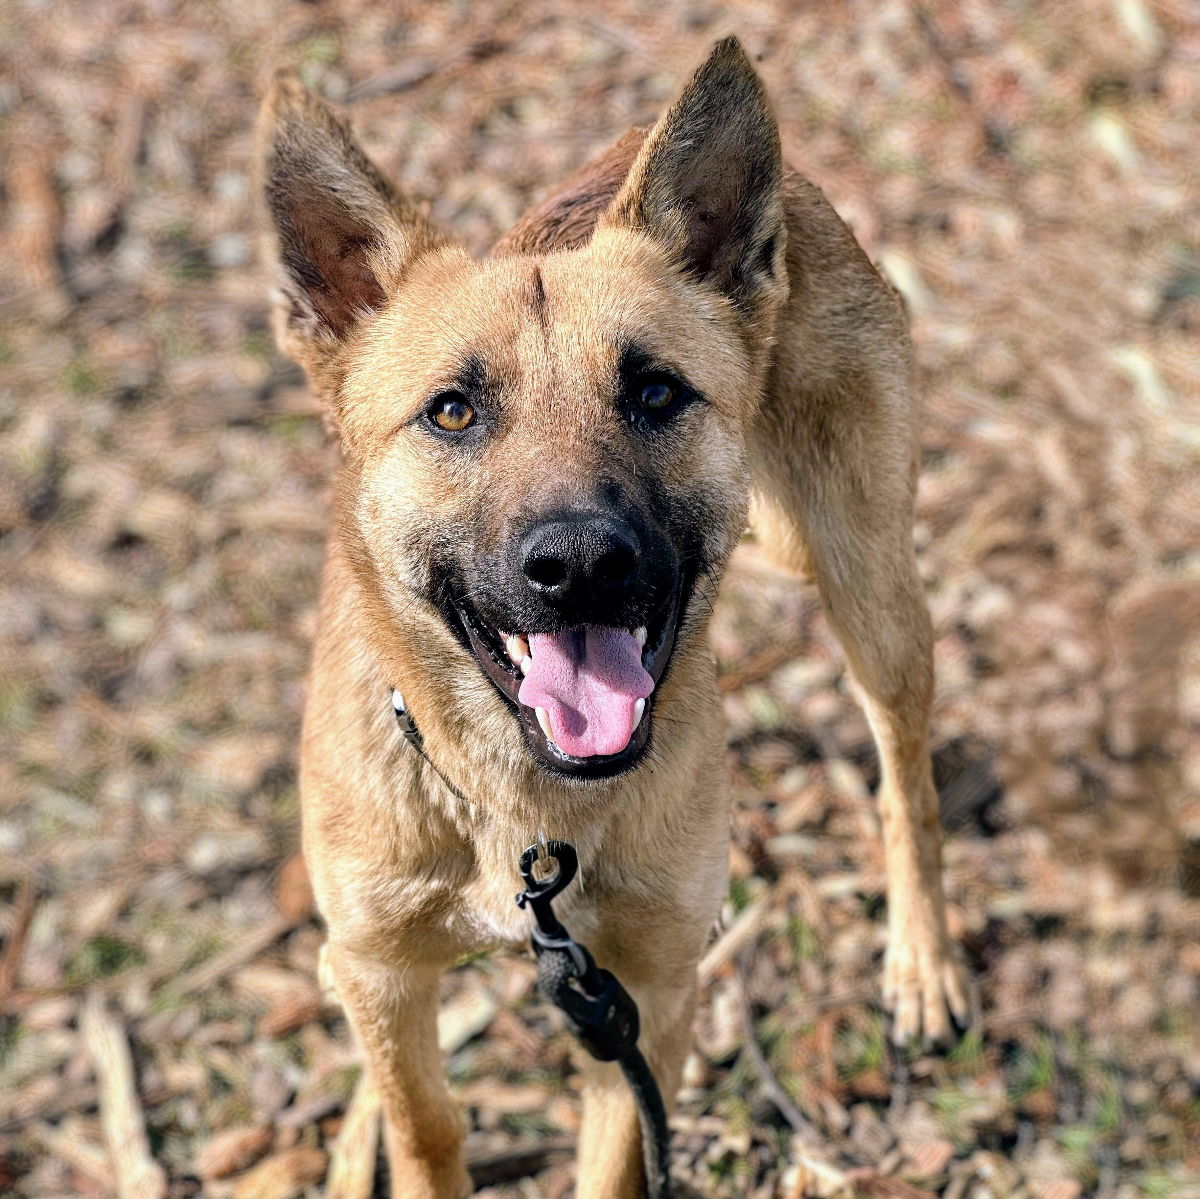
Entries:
{"x":547,"y":450}
{"x":550,"y":453}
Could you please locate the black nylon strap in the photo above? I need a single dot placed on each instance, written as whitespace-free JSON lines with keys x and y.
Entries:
{"x":412,"y":734}
{"x":599,"y":1011}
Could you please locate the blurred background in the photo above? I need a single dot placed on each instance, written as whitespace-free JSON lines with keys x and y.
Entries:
{"x":1026,"y":174}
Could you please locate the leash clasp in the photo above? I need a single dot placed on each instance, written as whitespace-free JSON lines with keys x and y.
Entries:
{"x":600,"y":1011}
{"x":539,"y":894}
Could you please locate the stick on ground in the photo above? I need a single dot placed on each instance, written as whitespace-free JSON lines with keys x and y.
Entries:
{"x":352,"y":1162}
{"x":138,"y":1175}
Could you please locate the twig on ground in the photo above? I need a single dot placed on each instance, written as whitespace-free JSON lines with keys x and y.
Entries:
{"x":310,"y":1111}
{"x":352,"y":1161}
{"x":10,"y":962}
{"x":245,"y":950}
{"x":519,"y":1161}
{"x":412,"y":73}
{"x":138,"y":1175}
{"x":766,"y":1076}
{"x":761,"y":665}
{"x":733,"y":940}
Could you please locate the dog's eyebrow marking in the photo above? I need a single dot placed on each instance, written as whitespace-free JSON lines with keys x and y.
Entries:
{"x":634,"y":359}
{"x":537,"y":296}
{"x":472,"y":377}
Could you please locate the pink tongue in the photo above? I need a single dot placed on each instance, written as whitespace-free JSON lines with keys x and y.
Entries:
{"x":588,"y":680}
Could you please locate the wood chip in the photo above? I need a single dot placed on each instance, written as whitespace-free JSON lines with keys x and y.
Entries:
{"x":927,"y":1159}
{"x":464,"y":1018}
{"x":14,"y":946}
{"x":35,"y":208}
{"x":282,"y":1175}
{"x":733,"y":940}
{"x":1066,"y":1188}
{"x":870,"y":1185}
{"x":232,"y":1150}
{"x":290,"y":1014}
{"x":492,"y":1167}
{"x":138,"y":1175}
{"x":293,"y":891}
{"x":70,"y":1143}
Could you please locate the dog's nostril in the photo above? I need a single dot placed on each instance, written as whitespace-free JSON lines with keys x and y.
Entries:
{"x":615,"y":567}
{"x":546,"y":572}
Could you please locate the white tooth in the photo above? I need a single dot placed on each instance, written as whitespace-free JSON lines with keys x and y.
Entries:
{"x":526,"y":664}
{"x":639,"y":710}
{"x":518,"y":647}
{"x":543,"y":719}
{"x":639,"y":635}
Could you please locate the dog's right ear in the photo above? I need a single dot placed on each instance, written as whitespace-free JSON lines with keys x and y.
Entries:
{"x":338,"y":236}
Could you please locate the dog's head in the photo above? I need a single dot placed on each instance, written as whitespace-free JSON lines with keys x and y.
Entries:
{"x":545,"y":450}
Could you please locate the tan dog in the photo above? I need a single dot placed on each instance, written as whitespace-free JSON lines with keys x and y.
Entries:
{"x":549,"y":456}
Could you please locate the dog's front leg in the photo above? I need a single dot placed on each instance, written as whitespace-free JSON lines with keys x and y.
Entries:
{"x":610,"y":1144}
{"x":394,"y":1015}
{"x":860,"y":548}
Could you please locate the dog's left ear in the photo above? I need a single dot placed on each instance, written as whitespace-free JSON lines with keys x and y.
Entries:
{"x":707,"y":183}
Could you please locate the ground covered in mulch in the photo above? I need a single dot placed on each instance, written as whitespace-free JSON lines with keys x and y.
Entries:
{"x":1025,"y":173}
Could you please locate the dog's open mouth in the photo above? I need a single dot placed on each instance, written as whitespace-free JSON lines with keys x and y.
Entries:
{"x":584,"y":695}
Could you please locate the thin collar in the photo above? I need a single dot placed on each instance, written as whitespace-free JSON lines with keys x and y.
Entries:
{"x":408,"y":726}
{"x":412,"y":734}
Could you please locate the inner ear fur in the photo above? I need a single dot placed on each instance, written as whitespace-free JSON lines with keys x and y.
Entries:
{"x":706,"y":183}
{"x":337,"y":234}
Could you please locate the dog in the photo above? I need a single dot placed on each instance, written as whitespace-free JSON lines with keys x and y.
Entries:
{"x":548,"y":456}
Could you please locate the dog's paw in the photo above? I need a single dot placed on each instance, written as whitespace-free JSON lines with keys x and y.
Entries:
{"x":926,"y":990}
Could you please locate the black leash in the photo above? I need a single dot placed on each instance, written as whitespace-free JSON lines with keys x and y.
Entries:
{"x":599,"y":1011}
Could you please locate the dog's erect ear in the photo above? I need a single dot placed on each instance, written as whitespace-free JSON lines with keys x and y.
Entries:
{"x":338,"y":235}
{"x":706,"y":183}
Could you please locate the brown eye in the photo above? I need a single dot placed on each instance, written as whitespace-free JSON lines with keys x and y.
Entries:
{"x":656,"y":395}
{"x":452,"y":413}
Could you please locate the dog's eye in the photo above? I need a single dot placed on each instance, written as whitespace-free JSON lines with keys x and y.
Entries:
{"x":656,"y":394}
{"x":452,"y":412}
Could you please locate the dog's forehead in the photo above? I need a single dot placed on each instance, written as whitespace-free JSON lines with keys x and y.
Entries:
{"x":546,"y":328}
{"x":572,"y":313}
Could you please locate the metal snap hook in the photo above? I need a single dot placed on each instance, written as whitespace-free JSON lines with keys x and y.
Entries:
{"x":543,"y":890}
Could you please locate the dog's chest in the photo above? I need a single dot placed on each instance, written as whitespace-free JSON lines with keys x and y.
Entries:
{"x":491,"y":919}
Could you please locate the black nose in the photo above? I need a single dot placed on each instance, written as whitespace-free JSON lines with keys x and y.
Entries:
{"x":574,"y":558}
